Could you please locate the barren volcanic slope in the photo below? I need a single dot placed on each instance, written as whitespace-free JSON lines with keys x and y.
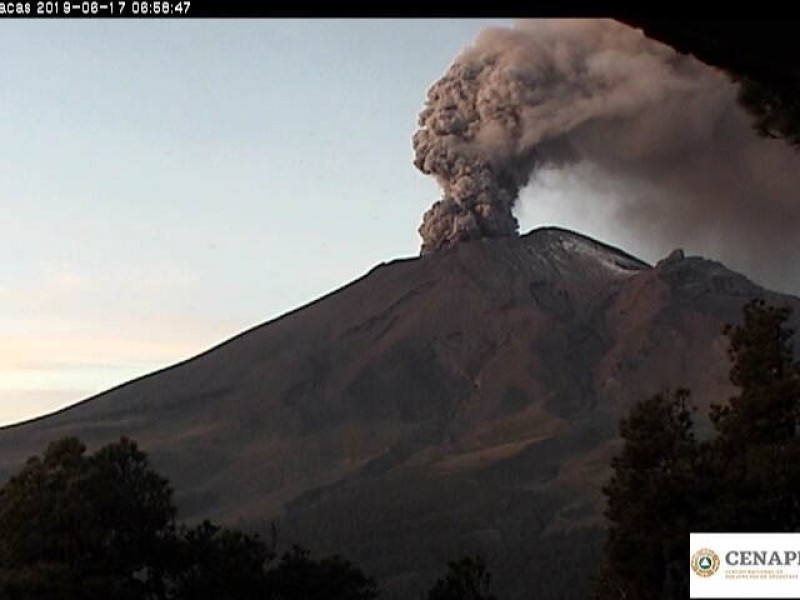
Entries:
{"x":464,"y":401}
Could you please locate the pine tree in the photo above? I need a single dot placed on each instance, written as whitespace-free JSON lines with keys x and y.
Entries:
{"x":649,"y":499}
{"x":755,"y":457}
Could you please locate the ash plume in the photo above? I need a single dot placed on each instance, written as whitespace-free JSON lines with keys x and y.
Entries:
{"x":560,"y":92}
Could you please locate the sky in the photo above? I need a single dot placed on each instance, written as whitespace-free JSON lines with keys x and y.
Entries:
{"x":167,"y":185}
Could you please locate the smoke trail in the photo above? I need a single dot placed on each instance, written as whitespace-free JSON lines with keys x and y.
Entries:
{"x":560,"y":91}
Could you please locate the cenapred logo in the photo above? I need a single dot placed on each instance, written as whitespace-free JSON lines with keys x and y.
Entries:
{"x":744,"y":565}
{"x":705,"y":562}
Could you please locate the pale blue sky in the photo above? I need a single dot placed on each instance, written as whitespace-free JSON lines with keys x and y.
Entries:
{"x":168,"y":184}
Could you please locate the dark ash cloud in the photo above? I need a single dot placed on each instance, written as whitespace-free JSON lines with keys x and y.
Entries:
{"x":557,"y":92}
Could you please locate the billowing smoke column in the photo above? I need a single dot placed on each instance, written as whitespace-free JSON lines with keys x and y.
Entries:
{"x":508,"y":104}
{"x":574,"y":93}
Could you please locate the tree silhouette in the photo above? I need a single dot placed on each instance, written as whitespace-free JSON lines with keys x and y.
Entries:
{"x":73,"y":526}
{"x":764,"y":369}
{"x":97,"y":527}
{"x":213,"y":563}
{"x":299,"y":577}
{"x":755,"y":457}
{"x":467,"y":579}
{"x":650,"y":497}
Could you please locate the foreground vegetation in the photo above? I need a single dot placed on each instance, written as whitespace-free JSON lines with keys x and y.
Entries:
{"x":103,"y":526}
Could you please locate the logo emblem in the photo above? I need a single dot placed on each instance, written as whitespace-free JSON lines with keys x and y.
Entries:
{"x":705,"y":562}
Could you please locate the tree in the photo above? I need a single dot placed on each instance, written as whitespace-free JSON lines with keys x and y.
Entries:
{"x":746,"y":477}
{"x":213,"y":563}
{"x":650,"y":501}
{"x":755,"y":457}
{"x":467,"y":579}
{"x":762,"y":353}
{"x":78,"y":527}
{"x":73,"y":526}
{"x":134,"y":516}
{"x":299,"y":577}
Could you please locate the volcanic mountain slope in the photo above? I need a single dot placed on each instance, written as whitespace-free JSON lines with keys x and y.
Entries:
{"x":464,"y":401}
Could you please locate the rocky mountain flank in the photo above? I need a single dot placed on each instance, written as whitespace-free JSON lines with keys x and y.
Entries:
{"x":465,"y":401}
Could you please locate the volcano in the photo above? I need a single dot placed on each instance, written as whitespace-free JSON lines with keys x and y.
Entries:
{"x":463,"y":401}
